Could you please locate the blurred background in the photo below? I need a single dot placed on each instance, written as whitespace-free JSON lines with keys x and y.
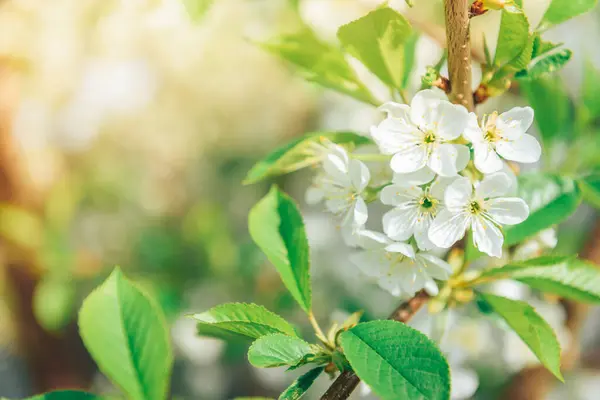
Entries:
{"x":126,"y":128}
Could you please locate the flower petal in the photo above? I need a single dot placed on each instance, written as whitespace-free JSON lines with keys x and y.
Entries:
{"x":486,"y":160}
{"x":487,"y":237}
{"x":396,"y":110}
{"x":359,"y":175}
{"x":463,"y":157}
{"x":371,"y":240}
{"x":423,"y":105}
{"x":361,"y":213}
{"x":508,"y":210}
{"x":450,"y":120}
{"x":443,"y":159}
{"x":447,"y":228}
{"x":336,"y":167}
{"x":439,"y":186}
{"x":399,"y":223}
{"x":417,"y":178}
{"x":421,"y":232}
{"x":515,"y":122}
{"x":399,"y":195}
{"x":473,"y":132}
{"x":436,"y":267}
{"x":458,"y":194}
{"x":525,"y":149}
{"x":410,"y":159}
{"x":402,"y":248}
{"x":314,"y":195}
{"x":391,"y":136}
{"x":373,"y":263}
{"x":493,"y":185}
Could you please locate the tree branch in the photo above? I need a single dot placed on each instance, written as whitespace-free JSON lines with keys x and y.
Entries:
{"x":345,"y":384}
{"x":459,"y":51}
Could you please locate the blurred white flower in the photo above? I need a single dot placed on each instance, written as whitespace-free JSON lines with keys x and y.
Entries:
{"x":419,"y":134}
{"x":483,"y":209}
{"x":502,"y":135}
{"x":535,"y":247}
{"x":341,"y":185}
{"x":396,"y":266}
{"x":199,"y":350}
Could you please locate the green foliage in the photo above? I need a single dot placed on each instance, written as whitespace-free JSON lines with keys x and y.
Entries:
{"x":197,"y":9}
{"x":65,"y":395}
{"x":590,"y":90}
{"x":560,"y":11}
{"x":548,"y":97}
{"x":54,"y":302}
{"x":277,"y":349}
{"x":590,"y":188}
{"x":321,"y":63}
{"x":531,"y":328}
{"x":276,"y":226}
{"x":546,"y":64}
{"x":377,"y":40}
{"x":566,"y":277}
{"x":551,"y":200}
{"x":126,"y":335}
{"x":396,"y":361}
{"x":300,"y":153}
{"x":513,"y":37}
{"x":299,"y":387}
{"x":247,"y":320}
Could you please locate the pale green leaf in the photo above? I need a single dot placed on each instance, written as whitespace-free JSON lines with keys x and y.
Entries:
{"x":197,"y":9}
{"x":548,"y":97}
{"x":397,"y":361}
{"x":65,"y":395}
{"x":513,"y":37}
{"x":541,"y":46}
{"x":300,"y":153}
{"x":545,"y":64}
{"x":299,"y":387}
{"x":531,"y":328}
{"x":321,"y":63}
{"x":377,"y":40}
{"x":590,"y":90}
{"x":253,"y":398}
{"x":560,"y":11}
{"x":276,"y":226}
{"x":590,"y":189}
{"x":127,"y":336}
{"x":277,"y":349}
{"x":566,"y":277}
{"x":54,"y":302}
{"x":248,"y":320}
{"x":551,"y":199}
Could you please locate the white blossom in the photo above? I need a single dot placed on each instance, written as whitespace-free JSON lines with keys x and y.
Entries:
{"x":341,"y":185}
{"x":420,"y":135}
{"x":483,"y":210}
{"x":414,"y":208}
{"x":502,"y":135}
{"x":396,"y":266}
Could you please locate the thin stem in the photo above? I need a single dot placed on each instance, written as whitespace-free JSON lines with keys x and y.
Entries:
{"x":317,"y":328}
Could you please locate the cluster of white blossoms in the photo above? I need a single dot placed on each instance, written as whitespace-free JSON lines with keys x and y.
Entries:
{"x":437,"y":193}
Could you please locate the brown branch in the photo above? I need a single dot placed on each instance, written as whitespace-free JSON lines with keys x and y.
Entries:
{"x":534,"y":383}
{"x":345,"y":384}
{"x":459,"y":51}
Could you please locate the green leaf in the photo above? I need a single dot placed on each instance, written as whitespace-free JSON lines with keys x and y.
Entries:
{"x":548,"y":97}
{"x":65,"y":395}
{"x":590,"y":90}
{"x":300,"y":153}
{"x":54,"y":303}
{"x":253,"y":398}
{"x":396,"y":361}
{"x":127,"y":336}
{"x":551,"y":200}
{"x":299,"y":387}
{"x":590,"y":189}
{"x":276,"y":226}
{"x":564,"y":276}
{"x":321,"y":63}
{"x":410,"y":48}
{"x":560,"y":11}
{"x":277,"y":349}
{"x":248,"y":320}
{"x":197,"y":9}
{"x":513,"y":37}
{"x":541,"y":46}
{"x":531,"y":328}
{"x":546,"y":64}
{"x":377,"y":40}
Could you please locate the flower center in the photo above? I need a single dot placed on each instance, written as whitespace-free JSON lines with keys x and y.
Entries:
{"x":492,"y":135}
{"x":475,"y":207}
{"x":429,"y":137}
{"x":426,"y":202}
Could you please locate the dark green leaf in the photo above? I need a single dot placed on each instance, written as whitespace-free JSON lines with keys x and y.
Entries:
{"x":65,"y":395}
{"x":396,"y":361}
{"x":590,"y":188}
{"x":127,"y":336}
{"x":560,"y":11}
{"x":321,"y":63}
{"x":531,"y":328}
{"x":546,"y":64}
{"x":276,"y":226}
{"x":590,"y":91}
{"x":551,"y":200}
{"x":377,"y":40}
{"x":299,"y":387}
{"x":300,"y":153}
{"x":277,"y":349}
{"x":249,"y":320}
